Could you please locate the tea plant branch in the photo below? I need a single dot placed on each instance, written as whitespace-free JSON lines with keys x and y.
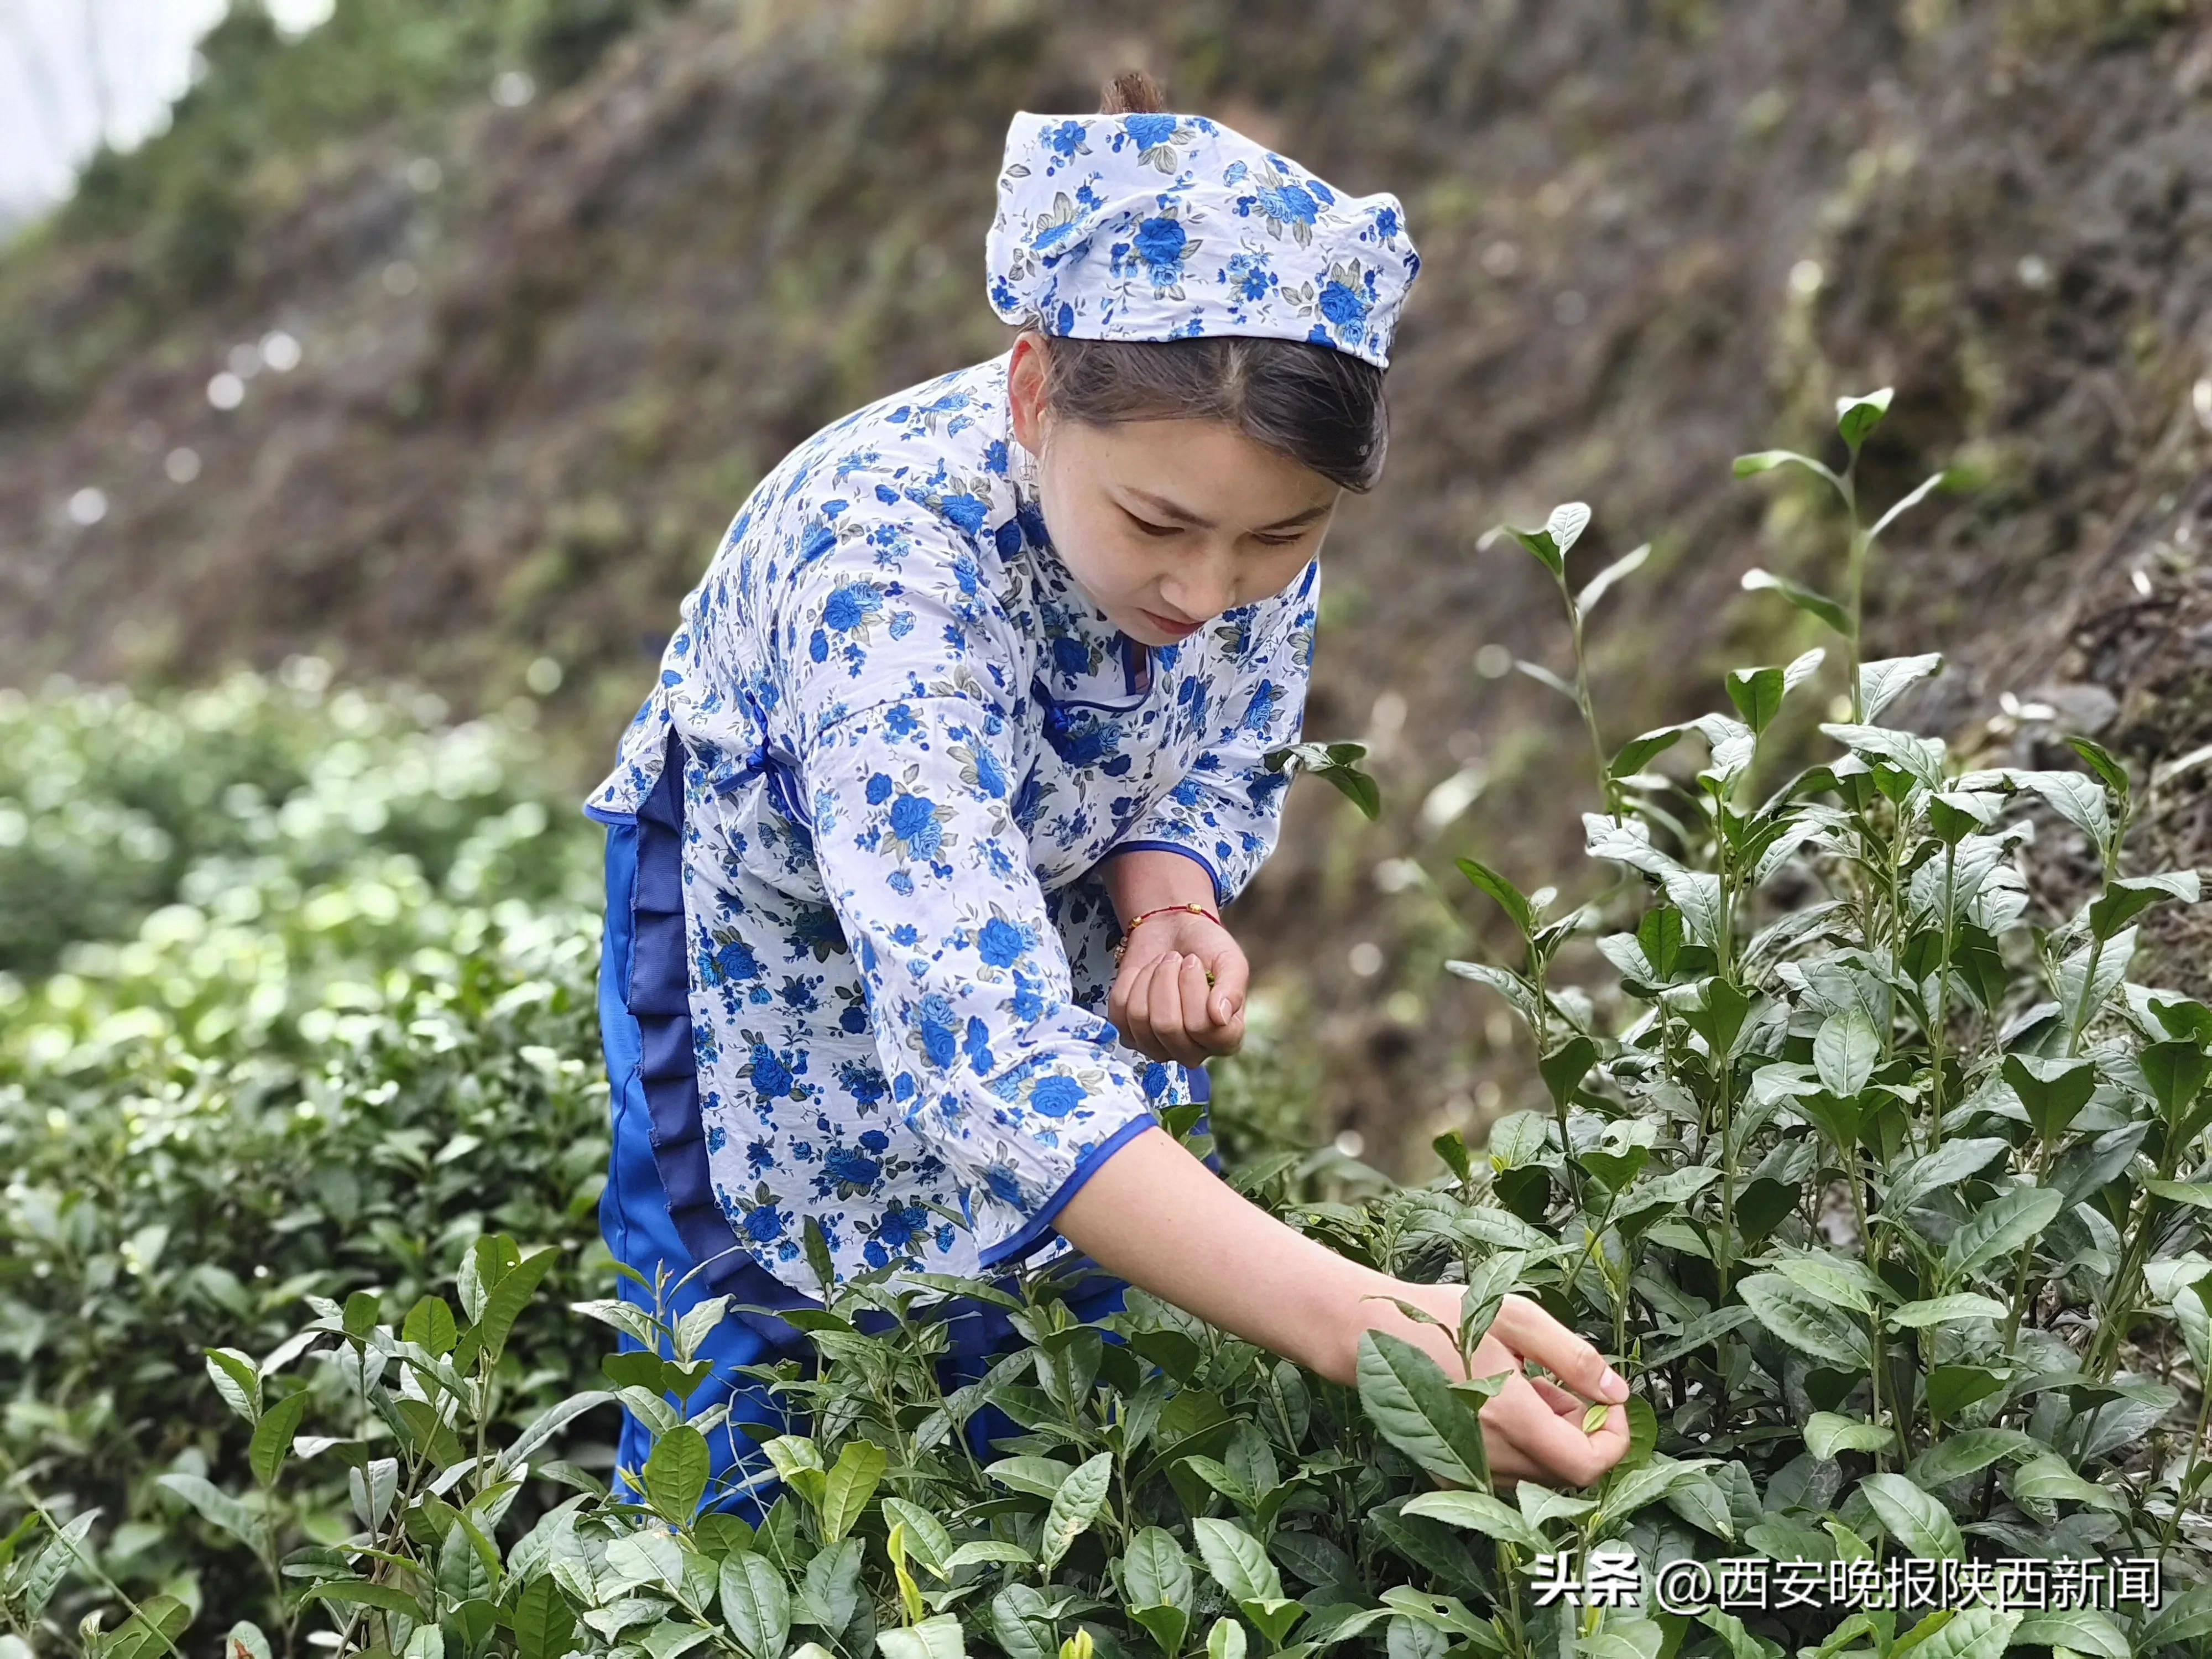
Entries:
{"x":84,"y":1559}
{"x":2184,"y":1494}
{"x":1938,"y":1015}
{"x":1855,"y":417}
{"x":1549,"y":546}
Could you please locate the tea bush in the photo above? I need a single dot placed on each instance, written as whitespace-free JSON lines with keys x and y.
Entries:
{"x":330,"y":1017}
{"x":1890,"y":1197}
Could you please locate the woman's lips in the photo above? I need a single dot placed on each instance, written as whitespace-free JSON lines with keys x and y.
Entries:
{"x":1167,"y":626}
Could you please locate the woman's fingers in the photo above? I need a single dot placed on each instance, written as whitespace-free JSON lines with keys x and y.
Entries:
{"x":1137,"y":1003}
{"x":1231,"y":978}
{"x":1525,"y":1328}
{"x":1558,"y":1450}
{"x":1202,"y":1029}
{"x":1223,"y":1031}
{"x":1565,"y":1404}
{"x":1169,"y":1020}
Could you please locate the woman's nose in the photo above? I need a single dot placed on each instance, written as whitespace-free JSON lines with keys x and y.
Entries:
{"x":1201,"y":589}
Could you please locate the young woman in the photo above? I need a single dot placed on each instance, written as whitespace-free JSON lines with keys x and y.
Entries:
{"x":919,"y":846}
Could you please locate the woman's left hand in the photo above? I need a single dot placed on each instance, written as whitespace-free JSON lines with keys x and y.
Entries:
{"x":1162,"y":1003}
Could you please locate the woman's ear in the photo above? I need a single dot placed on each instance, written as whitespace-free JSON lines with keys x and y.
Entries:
{"x":1025,"y":382}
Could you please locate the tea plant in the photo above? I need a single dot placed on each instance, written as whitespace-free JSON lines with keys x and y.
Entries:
{"x":1888,"y":1192}
{"x":1171,"y":1489}
{"x":339,"y":1026}
{"x":1893,"y":1200}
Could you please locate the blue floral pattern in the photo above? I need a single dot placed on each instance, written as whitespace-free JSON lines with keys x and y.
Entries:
{"x":909,"y":738}
{"x":1169,"y":227}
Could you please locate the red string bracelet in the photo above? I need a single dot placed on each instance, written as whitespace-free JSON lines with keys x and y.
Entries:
{"x":1122,"y":943}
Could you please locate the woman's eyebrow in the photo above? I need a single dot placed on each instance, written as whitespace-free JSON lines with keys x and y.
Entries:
{"x":1163,"y":505}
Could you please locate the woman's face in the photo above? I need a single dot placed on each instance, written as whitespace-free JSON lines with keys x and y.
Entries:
{"x":1167,"y":524}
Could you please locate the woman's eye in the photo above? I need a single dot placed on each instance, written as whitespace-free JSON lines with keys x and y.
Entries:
{"x":1276,"y":541}
{"x":1150,"y":529}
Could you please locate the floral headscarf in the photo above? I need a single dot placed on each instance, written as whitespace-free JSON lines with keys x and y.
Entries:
{"x":1159,"y":226}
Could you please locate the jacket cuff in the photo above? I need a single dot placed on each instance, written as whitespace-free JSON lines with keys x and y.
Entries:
{"x":1038,"y":1228}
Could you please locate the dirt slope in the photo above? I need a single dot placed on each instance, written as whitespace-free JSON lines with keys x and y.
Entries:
{"x":1656,"y":234}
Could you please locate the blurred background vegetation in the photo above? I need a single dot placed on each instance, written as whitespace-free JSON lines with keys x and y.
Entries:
{"x":436,"y":344}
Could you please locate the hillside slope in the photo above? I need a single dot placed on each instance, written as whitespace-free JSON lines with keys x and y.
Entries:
{"x":537,"y":376}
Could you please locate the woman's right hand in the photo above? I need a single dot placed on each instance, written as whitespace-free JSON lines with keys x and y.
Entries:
{"x":1532,"y":1428}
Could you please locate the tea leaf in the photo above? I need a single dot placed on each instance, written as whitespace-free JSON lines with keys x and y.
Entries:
{"x":1154,"y":1571}
{"x":851,"y":1483}
{"x":1805,"y":1322}
{"x":544,"y":1622}
{"x":937,"y":1638}
{"x":2000,"y":1228}
{"x":1881,"y":683}
{"x":1478,"y":1511}
{"x":237,"y":1380}
{"x":2103,"y":762}
{"x":926,"y":1537}
{"x":2128,"y":898}
{"x":1905,"y":503}
{"x":675,"y":1473}
{"x":1075,"y":1506}
{"x":360,"y":1593}
{"x":272,"y":1436}
{"x":1166,"y":1626}
{"x":1022,"y":1621}
{"x":1407,"y":1397}
{"x":217,"y":1506}
{"x":1913,"y":1517}
{"x":757,"y":1606}
{"x":1765,"y":460}
{"x":1812,"y":604}
{"x":2084,"y":1630}
{"x":429,"y":1324}
{"x":1946,"y":1310}
{"x":1757,"y":693}
{"x":1235,"y":1559}
{"x":1855,"y":416}
{"x":1827,"y":1434}
{"x":1969,"y":1453}
{"x":2079,"y":799}
{"x":1845,"y":1051}
{"x":1626,"y":564}
{"x":1510,"y":899}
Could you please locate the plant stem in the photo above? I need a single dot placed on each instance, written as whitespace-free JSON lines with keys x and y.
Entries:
{"x":1848,"y":484}
{"x":2196,"y":1451}
{"x":1851,"y":1179}
{"x":1940,"y":1017}
{"x":1606,"y":789}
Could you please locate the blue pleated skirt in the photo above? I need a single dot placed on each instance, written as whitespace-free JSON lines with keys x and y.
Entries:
{"x":659,"y":1212}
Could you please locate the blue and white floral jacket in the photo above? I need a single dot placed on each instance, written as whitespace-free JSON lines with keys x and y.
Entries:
{"x":909,"y":738}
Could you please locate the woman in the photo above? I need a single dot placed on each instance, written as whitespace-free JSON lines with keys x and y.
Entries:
{"x":918,"y":849}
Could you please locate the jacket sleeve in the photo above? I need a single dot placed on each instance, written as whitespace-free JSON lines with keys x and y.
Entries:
{"x":1226,"y":812}
{"x":908,"y":753}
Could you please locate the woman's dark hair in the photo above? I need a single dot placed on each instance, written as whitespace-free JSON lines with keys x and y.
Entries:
{"x":1322,"y":407}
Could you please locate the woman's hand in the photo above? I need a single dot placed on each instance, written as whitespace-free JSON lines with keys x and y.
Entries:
{"x":1532,"y":1428}
{"x":1179,"y":994}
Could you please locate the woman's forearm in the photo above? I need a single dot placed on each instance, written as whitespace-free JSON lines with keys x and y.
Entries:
{"x":1158,"y":1218}
{"x":1148,"y":879}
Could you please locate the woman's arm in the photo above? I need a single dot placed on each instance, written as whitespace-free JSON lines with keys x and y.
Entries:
{"x":1157,"y":1217}
{"x":1147,"y":878}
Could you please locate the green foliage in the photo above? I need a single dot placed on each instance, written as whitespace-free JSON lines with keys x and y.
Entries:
{"x":1891,"y":1202}
{"x":238,"y":800}
{"x":1890,"y":1197}
{"x":330,"y":1016}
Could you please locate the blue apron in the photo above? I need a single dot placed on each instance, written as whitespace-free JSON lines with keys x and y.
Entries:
{"x":659,"y":1210}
